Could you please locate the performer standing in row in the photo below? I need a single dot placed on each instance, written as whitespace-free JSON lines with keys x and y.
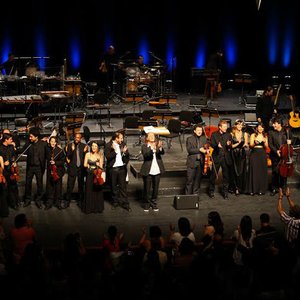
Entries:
{"x":258,"y":168}
{"x":117,"y":158}
{"x":240,"y":145}
{"x":221,"y":142}
{"x":75,"y":153}
{"x":10,"y":172}
{"x":195,"y":159}
{"x":55,"y":173}
{"x":93,"y":201}
{"x":277,"y":138}
{"x":151,"y":170}
{"x":36,"y":150}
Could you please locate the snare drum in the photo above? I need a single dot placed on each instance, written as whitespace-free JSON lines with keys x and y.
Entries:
{"x":131,"y":85}
{"x":145,"y":78}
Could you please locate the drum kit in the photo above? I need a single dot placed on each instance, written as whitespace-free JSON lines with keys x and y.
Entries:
{"x":143,"y":80}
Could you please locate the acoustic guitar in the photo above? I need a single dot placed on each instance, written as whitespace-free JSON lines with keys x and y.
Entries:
{"x":294,"y":120}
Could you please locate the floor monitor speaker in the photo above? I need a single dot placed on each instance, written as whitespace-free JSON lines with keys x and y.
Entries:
{"x":186,"y":202}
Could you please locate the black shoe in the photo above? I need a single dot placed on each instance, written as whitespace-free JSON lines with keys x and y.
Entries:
{"x":59,"y":207}
{"x":225,"y":196}
{"x":38,"y":205}
{"x":114,"y":205}
{"x":237,"y":193}
{"x":273,"y":192}
{"x":47,"y":207}
{"x":127,"y":207}
{"x":26,"y":203}
{"x":211,"y":194}
{"x":66,"y":204}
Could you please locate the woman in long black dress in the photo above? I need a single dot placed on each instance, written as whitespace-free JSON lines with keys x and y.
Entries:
{"x":258,"y":168}
{"x":239,"y":146}
{"x":93,"y":201}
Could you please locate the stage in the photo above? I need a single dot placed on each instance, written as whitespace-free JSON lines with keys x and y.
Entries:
{"x":52,"y":225}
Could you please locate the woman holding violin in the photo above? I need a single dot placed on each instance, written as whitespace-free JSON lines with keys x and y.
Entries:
{"x":198,"y":159}
{"x":258,"y":168}
{"x":10,"y":170}
{"x":280,"y":151}
{"x":55,"y":173}
{"x":93,"y":201}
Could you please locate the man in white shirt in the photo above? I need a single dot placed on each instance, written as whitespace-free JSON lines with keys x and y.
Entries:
{"x":117,"y":158}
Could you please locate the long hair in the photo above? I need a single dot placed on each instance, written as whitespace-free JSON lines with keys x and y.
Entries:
{"x":246,"y":227}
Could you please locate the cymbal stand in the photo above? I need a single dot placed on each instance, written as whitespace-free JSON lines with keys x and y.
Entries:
{"x":99,"y":122}
{"x":115,"y":97}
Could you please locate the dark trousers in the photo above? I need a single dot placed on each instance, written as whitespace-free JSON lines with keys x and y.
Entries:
{"x":193,"y":180}
{"x":225,"y":173}
{"x":79,"y":174}
{"x":30,"y":173}
{"x":13,"y":198}
{"x":53,"y":191}
{"x":277,"y":180}
{"x":118,"y":185}
{"x":151,"y":181}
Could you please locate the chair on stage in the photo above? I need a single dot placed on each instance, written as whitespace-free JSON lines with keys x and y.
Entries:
{"x":131,"y":128}
{"x":147,"y":114}
{"x":186,"y":118}
{"x":174,"y":126}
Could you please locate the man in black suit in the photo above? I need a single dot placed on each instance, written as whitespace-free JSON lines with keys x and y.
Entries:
{"x":117,"y":158}
{"x":221,"y":142}
{"x":277,"y":138}
{"x":195,"y":159}
{"x":35,"y":166}
{"x":75,"y":153}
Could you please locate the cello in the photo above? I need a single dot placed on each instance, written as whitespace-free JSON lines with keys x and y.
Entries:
{"x":285,"y":166}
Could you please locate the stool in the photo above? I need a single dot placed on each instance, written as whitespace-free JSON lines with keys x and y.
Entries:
{"x":210,"y":87}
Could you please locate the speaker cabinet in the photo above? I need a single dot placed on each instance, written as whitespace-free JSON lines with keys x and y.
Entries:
{"x":250,"y":101}
{"x":186,"y":202}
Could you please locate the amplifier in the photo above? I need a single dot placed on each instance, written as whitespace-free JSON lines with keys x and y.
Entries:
{"x":186,"y":202}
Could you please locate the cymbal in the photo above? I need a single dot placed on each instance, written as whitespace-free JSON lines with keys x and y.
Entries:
{"x":157,"y":67}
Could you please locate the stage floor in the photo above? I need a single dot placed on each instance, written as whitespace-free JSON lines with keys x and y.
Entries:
{"x":52,"y":225}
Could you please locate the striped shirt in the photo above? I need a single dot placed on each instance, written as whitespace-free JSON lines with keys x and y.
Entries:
{"x":292,"y":227}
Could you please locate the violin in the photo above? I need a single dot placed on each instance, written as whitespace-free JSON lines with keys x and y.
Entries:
{"x":2,"y":178}
{"x":207,"y":159}
{"x":54,"y":174}
{"x":14,"y":173}
{"x":53,"y":167}
{"x":286,"y":167}
{"x":98,"y":180}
